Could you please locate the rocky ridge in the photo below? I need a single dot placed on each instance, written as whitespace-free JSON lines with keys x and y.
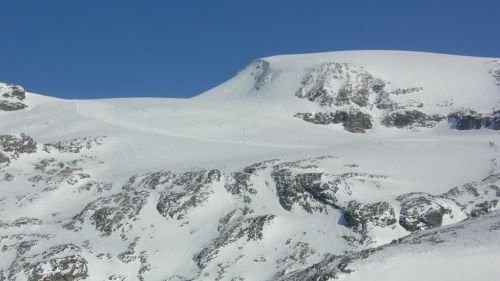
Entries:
{"x":350,"y":95}
{"x":307,"y":186}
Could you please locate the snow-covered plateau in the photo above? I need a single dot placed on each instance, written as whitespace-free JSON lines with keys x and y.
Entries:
{"x":358,"y":165}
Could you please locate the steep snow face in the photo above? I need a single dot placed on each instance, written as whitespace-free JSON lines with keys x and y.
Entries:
{"x":303,"y":167}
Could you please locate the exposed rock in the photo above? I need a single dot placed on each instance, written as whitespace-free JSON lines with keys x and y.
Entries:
{"x":187,"y":191}
{"x":59,"y":263}
{"x":353,"y":121}
{"x":411,"y":118}
{"x":231,"y":229}
{"x":96,"y":187}
{"x":259,"y":166}
{"x":306,"y":189}
{"x":11,"y":91}
{"x":331,"y":267}
{"x":19,"y":222}
{"x":296,"y":257}
{"x":11,"y":105}
{"x":151,"y":181}
{"x":261,"y":73}
{"x":476,"y":198}
{"x":14,"y":145}
{"x":75,"y":145}
{"x":239,"y":184}
{"x":4,"y":159}
{"x":11,"y":97}
{"x":483,"y":208}
{"x":315,"y":192}
{"x":362,"y":216}
{"x":420,"y":211}
{"x":54,"y":173}
{"x":385,"y":101}
{"x":339,"y":84}
{"x":111,"y":213}
{"x":470,"y":119}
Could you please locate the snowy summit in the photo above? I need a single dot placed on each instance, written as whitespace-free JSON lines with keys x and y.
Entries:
{"x":358,"y":165}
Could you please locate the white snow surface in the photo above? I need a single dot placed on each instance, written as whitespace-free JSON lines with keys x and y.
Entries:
{"x":250,"y":119}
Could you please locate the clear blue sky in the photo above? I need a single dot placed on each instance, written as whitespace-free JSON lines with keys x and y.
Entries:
{"x":121,"y":48}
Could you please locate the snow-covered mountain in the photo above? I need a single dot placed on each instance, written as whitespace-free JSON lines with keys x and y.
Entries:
{"x":364,"y":165}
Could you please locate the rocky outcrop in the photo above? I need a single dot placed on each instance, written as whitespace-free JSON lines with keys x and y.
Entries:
{"x":351,"y":94}
{"x":157,"y":180}
{"x":261,"y":73}
{"x":470,"y":120}
{"x":52,"y":174}
{"x":11,"y":97}
{"x":6,"y":105}
{"x":361,"y":217}
{"x":334,"y":266}
{"x":421,"y":211}
{"x":339,"y":84}
{"x":410,"y":119}
{"x":74,"y":145}
{"x":15,"y":145}
{"x":187,"y":191}
{"x":353,"y":121}
{"x":477,"y":198}
{"x":305,"y":189}
{"x":110,"y":214}
{"x":233,"y":227}
{"x":22,"y":221}
{"x":63,"y":262}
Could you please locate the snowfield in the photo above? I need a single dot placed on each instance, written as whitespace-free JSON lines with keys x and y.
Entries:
{"x":359,"y":165}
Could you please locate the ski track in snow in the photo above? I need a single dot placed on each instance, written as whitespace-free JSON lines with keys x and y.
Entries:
{"x":115,"y":121}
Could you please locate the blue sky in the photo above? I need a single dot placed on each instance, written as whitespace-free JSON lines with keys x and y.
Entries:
{"x":132,"y":48}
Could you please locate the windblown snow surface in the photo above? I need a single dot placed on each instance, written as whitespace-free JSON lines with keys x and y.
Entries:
{"x":363,"y":165}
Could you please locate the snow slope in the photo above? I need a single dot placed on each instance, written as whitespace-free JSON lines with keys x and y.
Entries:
{"x":301,"y":167}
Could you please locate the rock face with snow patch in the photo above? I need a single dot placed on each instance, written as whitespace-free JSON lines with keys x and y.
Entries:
{"x":187,"y":191}
{"x":421,"y":211}
{"x":110,"y":214}
{"x":352,"y":121}
{"x":411,"y":118}
{"x":470,"y":120}
{"x":361,"y":216}
{"x":11,"y":97}
{"x":352,"y":94}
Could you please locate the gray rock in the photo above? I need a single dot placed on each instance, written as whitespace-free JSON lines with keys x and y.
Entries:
{"x":6,"y":105}
{"x":360,"y":217}
{"x":353,"y":121}
{"x":75,"y":145}
{"x":187,"y":191}
{"x":17,"y":144}
{"x":420,"y":211}
{"x":158,"y":180}
{"x":305,"y":189}
{"x":483,"y":208}
{"x":232,"y":228}
{"x":111,"y":213}
{"x":4,"y":159}
{"x":471,"y":120}
{"x":55,"y":173}
{"x":261,"y":73}
{"x":476,"y":198}
{"x":11,"y":91}
{"x":357,"y":85}
{"x":59,"y":263}
{"x":411,"y":118}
